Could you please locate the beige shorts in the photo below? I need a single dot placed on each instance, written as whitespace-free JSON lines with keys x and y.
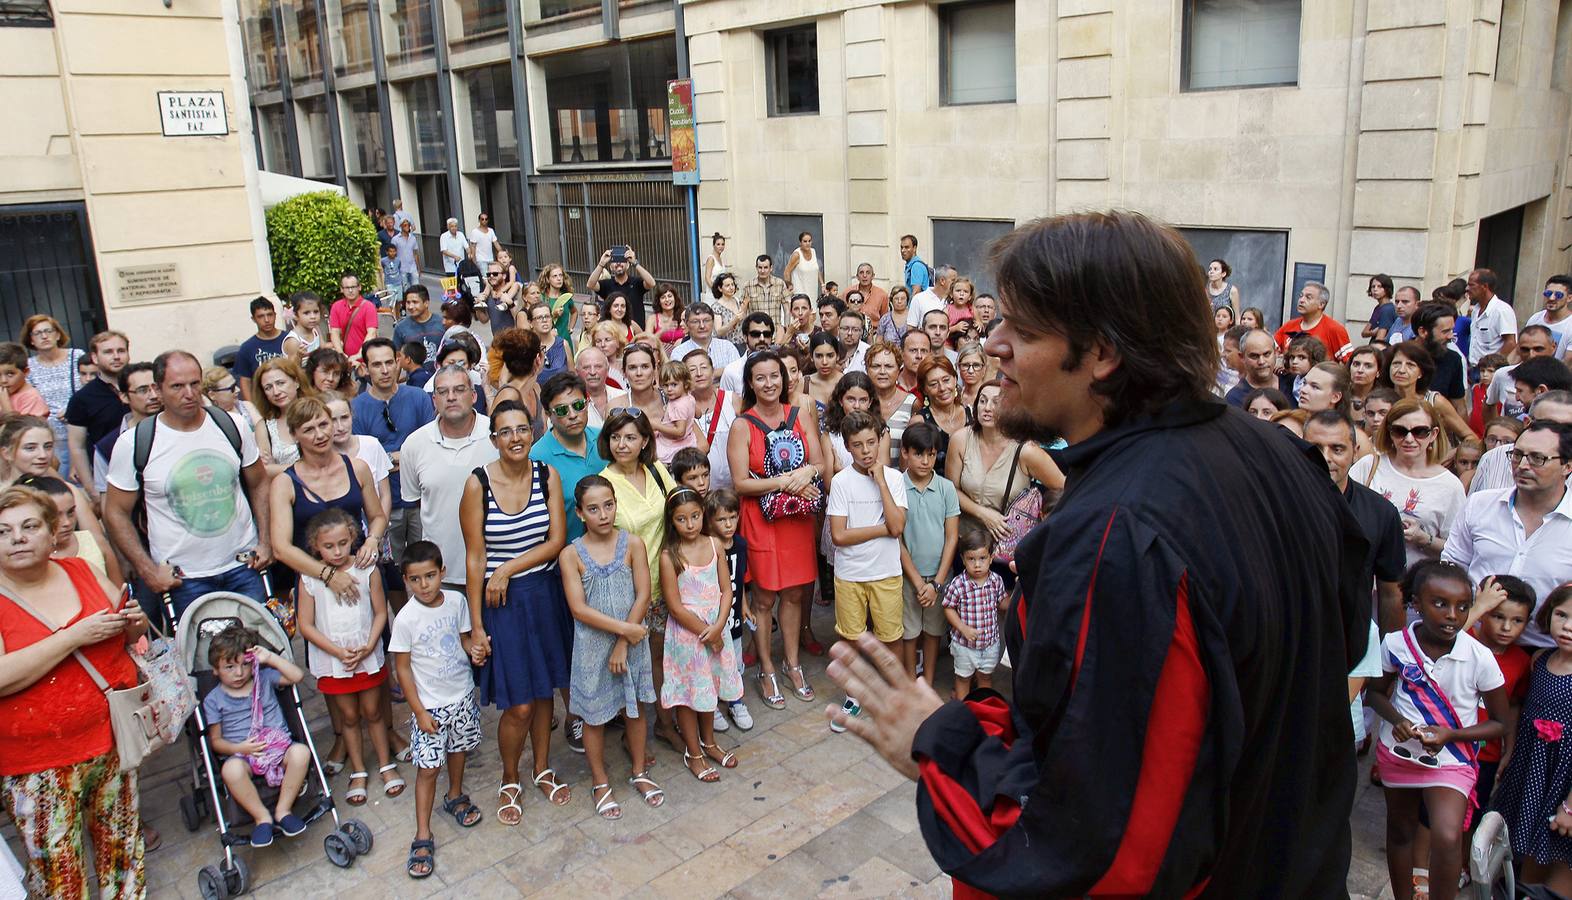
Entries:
{"x":916,"y":620}
{"x":859,"y":602}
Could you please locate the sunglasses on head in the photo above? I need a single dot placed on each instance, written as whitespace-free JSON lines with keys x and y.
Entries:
{"x":561,"y":409}
{"x":1420,"y":432}
{"x":633,"y":411}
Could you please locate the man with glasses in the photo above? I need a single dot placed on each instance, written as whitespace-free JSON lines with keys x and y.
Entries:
{"x":483,"y":238}
{"x":570,"y":445}
{"x":351,"y":318}
{"x":1555,"y":313}
{"x":1524,"y":530}
{"x":140,"y":393}
{"x":266,"y":344}
{"x":853,"y":348}
{"x":391,"y":412}
{"x":758,"y":331}
{"x":1494,"y":471}
{"x":701,"y":336}
{"x":419,"y":322}
{"x":495,"y":300}
{"x":206,"y":501}
{"x":437,"y":459}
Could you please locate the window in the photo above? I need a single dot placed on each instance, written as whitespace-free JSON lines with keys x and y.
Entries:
{"x":275,"y":155}
{"x":1240,"y":43}
{"x":780,"y":239}
{"x":406,"y":30}
{"x":491,"y":117}
{"x":608,"y":104}
{"x":1259,"y":260}
{"x":977,"y":53}
{"x":548,"y":9}
{"x":302,"y":37}
{"x":349,"y":34}
{"x":427,"y":132}
{"x":964,"y":243}
{"x":316,"y":138}
{"x":483,"y":18}
{"x":25,"y":14}
{"x":363,"y":133}
{"x":261,"y":40}
{"x":791,"y":70}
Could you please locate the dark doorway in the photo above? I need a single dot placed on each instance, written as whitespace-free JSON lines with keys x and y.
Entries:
{"x":1259,"y":260}
{"x":780,"y":239}
{"x":46,"y":266}
{"x":1500,"y":240}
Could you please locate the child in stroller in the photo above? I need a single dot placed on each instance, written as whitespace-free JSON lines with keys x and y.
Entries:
{"x":239,"y":659}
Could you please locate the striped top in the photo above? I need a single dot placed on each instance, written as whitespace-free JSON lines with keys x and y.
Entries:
{"x":511,"y":535}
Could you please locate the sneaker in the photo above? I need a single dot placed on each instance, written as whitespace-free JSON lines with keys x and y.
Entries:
{"x":291,"y":825}
{"x":721,"y":725}
{"x":740,"y":715}
{"x":262,"y":835}
{"x":850,"y":708}
{"x":576,"y":735}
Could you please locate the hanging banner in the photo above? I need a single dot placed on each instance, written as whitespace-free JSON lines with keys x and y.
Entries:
{"x":679,"y":119}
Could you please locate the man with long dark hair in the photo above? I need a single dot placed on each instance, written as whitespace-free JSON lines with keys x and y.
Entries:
{"x":1180,"y":719}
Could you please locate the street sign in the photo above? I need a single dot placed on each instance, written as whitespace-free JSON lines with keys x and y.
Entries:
{"x":193,"y":113}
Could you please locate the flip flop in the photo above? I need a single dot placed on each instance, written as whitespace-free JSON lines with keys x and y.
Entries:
{"x":356,"y":796}
{"x":509,"y":794}
{"x":394,"y":786}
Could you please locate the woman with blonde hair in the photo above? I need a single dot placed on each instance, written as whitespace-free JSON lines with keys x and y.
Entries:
{"x":223,"y":391}
{"x":556,"y":289}
{"x":1408,"y":469}
{"x":277,"y":383}
{"x":608,"y":338}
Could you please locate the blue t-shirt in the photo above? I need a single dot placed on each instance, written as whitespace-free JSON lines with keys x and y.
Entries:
{"x":256,"y":351}
{"x":1383,"y":316}
{"x":419,"y":377}
{"x":409,"y":408}
{"x":571,"y":469}
{"x":919,"y":277}
{"x":429,"y":333}
{"x":233,"y":714}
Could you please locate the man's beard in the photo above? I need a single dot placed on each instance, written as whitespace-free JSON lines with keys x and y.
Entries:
{"x":1018,"y":425}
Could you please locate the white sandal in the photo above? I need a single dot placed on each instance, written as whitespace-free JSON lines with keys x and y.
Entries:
{"x":606,"y":807}
{"x":356,"y":796}
{"x":653,"y":797}
{"x":550,"y":777}
{"x":510,"y":801}
{"x":394,"y":787}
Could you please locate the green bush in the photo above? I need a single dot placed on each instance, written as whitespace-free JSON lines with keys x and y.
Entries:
{"x":315,"y":238}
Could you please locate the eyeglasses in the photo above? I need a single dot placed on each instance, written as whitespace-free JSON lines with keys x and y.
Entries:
{"x":1424,"y":759}
{"x":971,"y":366}
{"x":1554,"y":295}
{"x":1493,"y":441}
{"x":561,"y":409}
{"x":508,"y":434}
{"x":49,"y":329}
{"x":1419,"y":432}
{"x":1537,"y":460}
{"x":633,"y":411}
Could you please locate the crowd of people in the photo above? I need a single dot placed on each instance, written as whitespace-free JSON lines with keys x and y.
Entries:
{"x":618,"y":496}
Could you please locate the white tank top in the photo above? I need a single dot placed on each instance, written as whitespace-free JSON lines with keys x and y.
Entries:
{"x":805,"y":278}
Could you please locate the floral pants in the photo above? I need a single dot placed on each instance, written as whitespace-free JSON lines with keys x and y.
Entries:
{"x":53,"y":807}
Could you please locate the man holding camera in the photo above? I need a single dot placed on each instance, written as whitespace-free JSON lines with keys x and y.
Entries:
{"x":615,"y":264}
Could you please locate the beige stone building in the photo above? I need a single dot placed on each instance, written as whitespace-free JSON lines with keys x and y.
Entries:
{"x":1411,"y":137}
{"x":112,"y":212}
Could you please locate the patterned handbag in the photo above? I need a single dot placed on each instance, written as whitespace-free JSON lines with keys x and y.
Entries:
{"x":785,"y":452}
{"x":1022,"y":513}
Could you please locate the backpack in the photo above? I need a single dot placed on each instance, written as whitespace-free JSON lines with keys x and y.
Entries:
{"x":142,"y":451}
{"x":784,"y":451}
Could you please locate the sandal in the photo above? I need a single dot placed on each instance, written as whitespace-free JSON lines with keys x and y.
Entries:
{"x":708,"y":775}
{"x":393,"y":786}
{"x":459,"y":808}
{"x":607,"y":806}
{"x":356,"y":796}
{"x":649,"y":758}
{"x":509,"y":794}
{"x":551,"y":786}
{"x":151,"y":839}
{"x":406,"y":755}
{"x":417,"y":859}
{"x":805,"y":692}
{"x":770,"y":690}
{"x":653,"y":797}
{"x":727,"y":759}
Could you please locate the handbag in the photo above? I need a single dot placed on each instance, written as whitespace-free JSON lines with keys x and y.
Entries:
{"x":784,"y":452}
{"x":275,"y":741}
{"x":141,"y":715}
{"x":1022,"y":513}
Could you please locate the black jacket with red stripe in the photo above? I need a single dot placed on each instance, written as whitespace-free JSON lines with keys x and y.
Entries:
{"x":1188,"y":619}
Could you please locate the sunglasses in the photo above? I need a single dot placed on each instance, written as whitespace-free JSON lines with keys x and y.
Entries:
{"x":1554,"y":295}
{"x":633,"y":411}
{"x":224,"y":390}
{"x":759,"y":334}
{"x":1424,"y":759}
{"x":561,"y":409}
{"x":387,"y":417}
{"x":1419,"y":432}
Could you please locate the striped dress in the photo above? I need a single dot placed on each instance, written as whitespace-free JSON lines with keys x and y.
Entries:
{"x":531,"y":630}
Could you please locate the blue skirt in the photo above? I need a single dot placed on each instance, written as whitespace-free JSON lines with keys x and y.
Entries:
{"x":531,"y":642}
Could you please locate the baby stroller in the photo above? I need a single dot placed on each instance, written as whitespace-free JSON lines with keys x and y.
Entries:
{"x":206,"y":617}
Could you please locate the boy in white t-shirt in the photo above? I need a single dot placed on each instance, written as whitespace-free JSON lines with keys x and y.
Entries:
{"x":432,"y":650}
{"x":867,"y":512}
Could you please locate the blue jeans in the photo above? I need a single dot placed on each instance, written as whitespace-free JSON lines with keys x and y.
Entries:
{"x":240,"y":580}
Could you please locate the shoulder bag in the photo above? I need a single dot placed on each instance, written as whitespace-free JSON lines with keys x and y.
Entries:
{"x":1022,"y":513}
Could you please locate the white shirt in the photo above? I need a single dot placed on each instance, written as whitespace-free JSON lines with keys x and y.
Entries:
{"x":614,"y":399}
{"x":369,"y":449}
{"x":198,"y":516}
{"x":731,"y":376}
{"x":921,"y":304}
{"x":1503,"y":390}
{"x":722,"y":353}
{"x":430,"y":635}
{"x":1489,"y":328}
{"x":1494,"y":472}
{"x":1487,"y":539}
{"x":1562,"y":330}
{"x":858,"y":361}
{"x":454,"y":243}
{"x":1434,"y":502}
{"x":432,"y":470}
{"x":485,"y":241}
{"x":855,"y":497}
{"x":1464,"y":674}
{"x":720,"y":465}
{"x":345,"y":624}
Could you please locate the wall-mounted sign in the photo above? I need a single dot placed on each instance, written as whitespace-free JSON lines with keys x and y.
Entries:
{"x":1304,"y":273}
{"x":159,"y":281}
{"x":193,"y":113}
{"x":684,"y":145}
